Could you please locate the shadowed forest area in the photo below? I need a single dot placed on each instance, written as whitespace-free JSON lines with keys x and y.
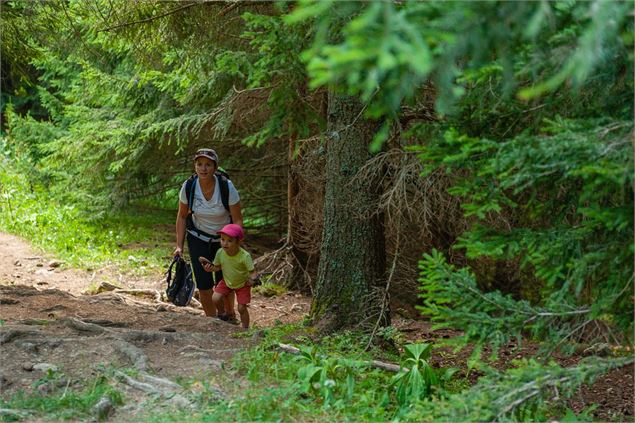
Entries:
{"x":438,"y":197}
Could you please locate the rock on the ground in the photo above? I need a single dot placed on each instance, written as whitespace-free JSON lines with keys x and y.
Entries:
{"x":55,"y":263}
{"x":4,"y":382}
{"x":45,"y":367}
{"x":103,"y":409}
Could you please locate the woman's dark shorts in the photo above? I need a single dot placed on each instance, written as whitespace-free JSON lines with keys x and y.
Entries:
{"x":197,"y":247}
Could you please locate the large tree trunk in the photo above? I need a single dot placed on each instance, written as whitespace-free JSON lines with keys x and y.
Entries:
{"x":352,"y":258}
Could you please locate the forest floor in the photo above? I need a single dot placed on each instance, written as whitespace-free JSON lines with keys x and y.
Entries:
{"x":49,"y":320}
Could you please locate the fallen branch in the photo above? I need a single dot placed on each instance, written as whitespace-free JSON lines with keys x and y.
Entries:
{"x":286,"y":313}
{"x":196,"y":348}
{"x":151,"y":18}
{"x":374,"y":363}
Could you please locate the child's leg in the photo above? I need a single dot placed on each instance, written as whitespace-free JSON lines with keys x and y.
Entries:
{"x":244,"y":315}
{"x":243,"y":295}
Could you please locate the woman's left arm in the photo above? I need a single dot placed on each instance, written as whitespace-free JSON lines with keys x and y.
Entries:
{"x":237,"y":215}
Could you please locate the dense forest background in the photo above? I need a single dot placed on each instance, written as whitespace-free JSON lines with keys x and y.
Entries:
{"x":474,"y":159}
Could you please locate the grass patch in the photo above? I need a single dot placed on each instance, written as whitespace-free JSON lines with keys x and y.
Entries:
{"x":139,"y":238}
{"x":270,"y":289}
{"x":62,"y":404}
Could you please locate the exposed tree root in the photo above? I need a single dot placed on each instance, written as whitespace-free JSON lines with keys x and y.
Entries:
{"x":131,"y":334}
{"x":123,"y":296}
{"x":148,"y":293}
{"x":12,"y":334}
{"x":153,"y":385}
{"x":135,"y":355}
{"x":110,"y":291}
{"x":82,"y":326}
{"x":106,"y":323}
{"x":120,"y":339}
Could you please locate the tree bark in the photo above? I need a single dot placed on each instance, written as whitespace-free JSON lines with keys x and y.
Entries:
{"x":352,"y":264}
{"x":298,"y":257}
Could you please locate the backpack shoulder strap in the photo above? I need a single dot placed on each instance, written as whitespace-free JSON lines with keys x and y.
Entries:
{"x":189,"y":191}
{"x":223,"y":185}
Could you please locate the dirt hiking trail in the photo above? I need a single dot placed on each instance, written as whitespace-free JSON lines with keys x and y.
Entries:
{"x":129,"y":335}
{"x":49,"y":322}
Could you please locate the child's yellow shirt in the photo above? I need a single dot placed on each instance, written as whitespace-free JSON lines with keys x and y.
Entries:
{"x":236,"y":268}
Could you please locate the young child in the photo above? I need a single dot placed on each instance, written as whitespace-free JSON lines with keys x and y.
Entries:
{"x":238,"y":270}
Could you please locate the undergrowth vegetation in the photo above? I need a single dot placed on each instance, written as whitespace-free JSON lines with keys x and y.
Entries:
{"x":136,"y":239}
{"x":332,"y":379}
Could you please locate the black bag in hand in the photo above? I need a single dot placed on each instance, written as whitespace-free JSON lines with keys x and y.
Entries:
{"x":181,"y":286}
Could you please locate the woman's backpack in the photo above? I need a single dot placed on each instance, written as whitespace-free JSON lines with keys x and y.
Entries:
{"x":180,"y":284}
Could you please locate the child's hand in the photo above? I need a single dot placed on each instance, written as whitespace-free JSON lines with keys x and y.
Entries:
{"x":208,"y":266}
{"x":254,"y":280}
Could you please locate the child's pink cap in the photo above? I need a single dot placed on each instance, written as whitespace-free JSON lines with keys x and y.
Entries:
{"x":233,"y":230}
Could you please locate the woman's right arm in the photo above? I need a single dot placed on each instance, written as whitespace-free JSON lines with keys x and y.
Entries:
{"x":181,"y":217}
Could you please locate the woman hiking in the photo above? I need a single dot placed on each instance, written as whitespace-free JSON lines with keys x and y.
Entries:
{"x":207,"y":202}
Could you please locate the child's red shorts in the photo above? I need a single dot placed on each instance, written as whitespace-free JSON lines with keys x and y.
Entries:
{"x":243,"y":295}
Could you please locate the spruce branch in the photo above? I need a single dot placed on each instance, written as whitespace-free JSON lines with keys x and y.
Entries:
{"x":505,"y":396}
{"x":452,"y":298}
{"x":151,"y":18}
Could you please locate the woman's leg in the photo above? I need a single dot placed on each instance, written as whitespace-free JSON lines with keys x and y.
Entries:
{"x":217,"y":298}
{"x":204,"y":280}
{"x":229,"y":305}
{"x":207,"y":301}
